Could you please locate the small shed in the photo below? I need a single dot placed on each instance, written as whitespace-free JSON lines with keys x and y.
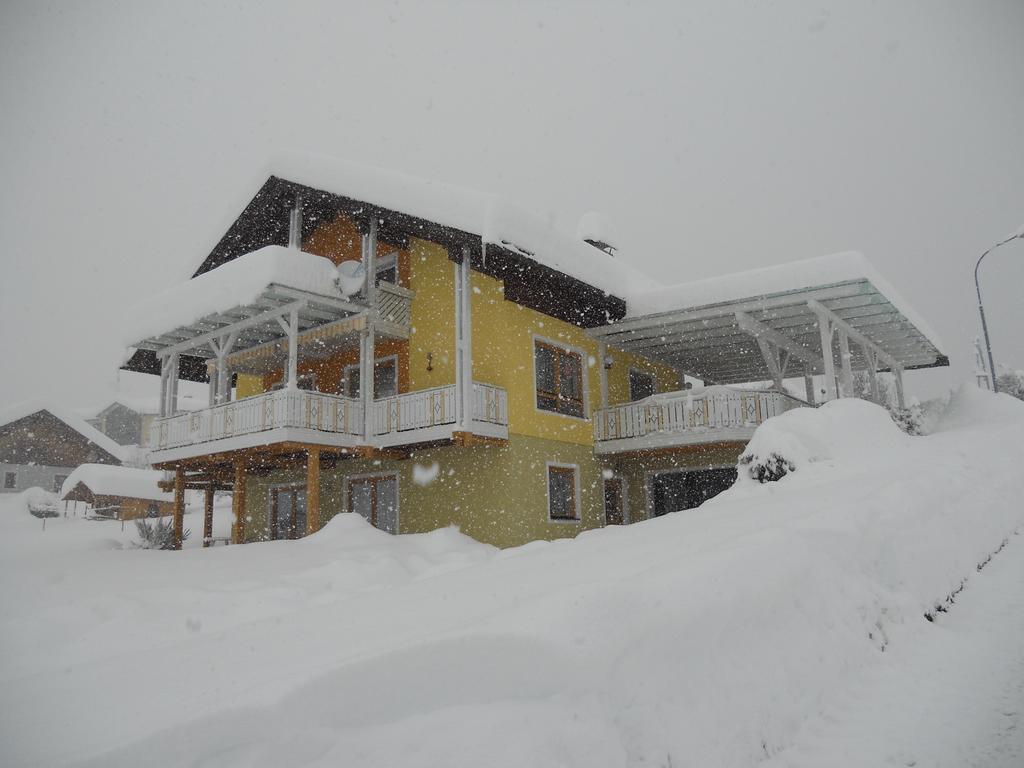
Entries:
{"x":124,"y":493}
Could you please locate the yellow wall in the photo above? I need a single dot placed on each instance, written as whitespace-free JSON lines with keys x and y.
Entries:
{"x":503,"y":354}
{"x":432,"y":278}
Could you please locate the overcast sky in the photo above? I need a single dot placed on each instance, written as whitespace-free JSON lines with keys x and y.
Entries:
{"x":715,"y":136}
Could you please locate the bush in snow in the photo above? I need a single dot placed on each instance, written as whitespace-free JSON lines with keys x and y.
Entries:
{"x":1012,"y":384}
{"x":909,"y":419}
{"x":766,"y":469}
{"x":41,"y":503}
{"x":157,"y":534}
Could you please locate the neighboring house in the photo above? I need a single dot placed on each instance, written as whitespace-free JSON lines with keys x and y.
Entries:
{"x":40,"y":445}
{"x":494,"y":373}
{"x":123,"y":493}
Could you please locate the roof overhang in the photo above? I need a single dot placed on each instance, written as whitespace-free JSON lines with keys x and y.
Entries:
{"x":719,"y":342}
{"x":253,"y":324}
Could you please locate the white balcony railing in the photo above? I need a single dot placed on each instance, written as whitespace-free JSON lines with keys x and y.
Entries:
{"x":685,"y":412}
{"x":329,"y":413}
{"x":284,"y":408}
{"x":435,"y":407}
{"x":394,"y":304}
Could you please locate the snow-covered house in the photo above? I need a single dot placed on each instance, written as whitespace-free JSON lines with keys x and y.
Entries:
{"x":41,"y":444}
{"x":124,"y":493}
{"x":492,"y":372}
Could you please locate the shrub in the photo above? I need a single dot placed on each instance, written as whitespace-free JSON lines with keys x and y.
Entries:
{"x":767,"y":469}
{"x":909,"y":419}
{"x":157,"y":534}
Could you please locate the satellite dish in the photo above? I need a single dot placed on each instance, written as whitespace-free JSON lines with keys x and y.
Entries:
{"x":351,"y":276}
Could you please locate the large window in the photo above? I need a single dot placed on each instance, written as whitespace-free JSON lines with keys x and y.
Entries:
{"x":641,"y":385}
{"x":563,"y":492}
{"x":10,"y":480}
{"x":559,"y":379}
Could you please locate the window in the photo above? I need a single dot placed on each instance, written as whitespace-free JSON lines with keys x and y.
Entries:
{"x":10,"y":479}
{"x":385,"y":379}
{"x":559,"y":379}
{"x":641,"y":385}
{"x":563,"y":496}
{"x":58,"y":482}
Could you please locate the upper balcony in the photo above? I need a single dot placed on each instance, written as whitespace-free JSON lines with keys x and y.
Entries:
{"x":679,"y":419}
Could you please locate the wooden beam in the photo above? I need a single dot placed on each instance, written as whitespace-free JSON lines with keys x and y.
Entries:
{"x":208,"y":517}
{"x":760,"y":331}
{"x":853,"y":333}
{"x":179,"y":507}
{"x":238,"y":503}
{"x":312,"y":490}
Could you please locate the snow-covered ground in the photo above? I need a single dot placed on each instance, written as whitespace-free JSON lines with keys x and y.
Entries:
{"x":780,"y":624}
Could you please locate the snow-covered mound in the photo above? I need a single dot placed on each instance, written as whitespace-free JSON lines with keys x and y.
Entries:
{"x":705,"y":637}
{"x":973,"y":408}
{"x":840,"y":431}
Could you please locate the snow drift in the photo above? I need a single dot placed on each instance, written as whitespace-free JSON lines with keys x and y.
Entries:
{"x":706,"y":637}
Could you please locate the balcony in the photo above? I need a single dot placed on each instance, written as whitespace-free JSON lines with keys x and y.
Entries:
{"x":679,"y":419}
{"x":329,"y":420}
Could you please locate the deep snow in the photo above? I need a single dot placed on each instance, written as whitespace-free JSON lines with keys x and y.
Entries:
{"x":716,"y":636}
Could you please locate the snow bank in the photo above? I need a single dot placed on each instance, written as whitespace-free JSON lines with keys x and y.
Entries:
{"x":105,"y":480}
{"x":236,"y":283}
{"x":840,"y":431}
{"x":973,"y":408}
{"x":706,"y":637}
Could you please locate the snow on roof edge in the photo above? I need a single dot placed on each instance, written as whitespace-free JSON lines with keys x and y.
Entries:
{"x":81,"y":426}
{"x":108,"y":480}
{"x":819,"y":271}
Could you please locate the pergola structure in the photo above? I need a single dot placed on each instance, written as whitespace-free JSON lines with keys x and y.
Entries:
{"x":828,"y":330}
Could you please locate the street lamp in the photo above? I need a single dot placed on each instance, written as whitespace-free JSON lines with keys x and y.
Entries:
{"x":981,"y":309}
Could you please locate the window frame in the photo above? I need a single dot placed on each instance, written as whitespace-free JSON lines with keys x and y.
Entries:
{"x":11,"y":475}
{"x":374,"y":478}
{"x":577,"y":506}
{"x":646,"y":374}
{"x":561,"y":349}
{"x":62,"y":477}
{"x":385,"y":264}
{"x":346,"y":371}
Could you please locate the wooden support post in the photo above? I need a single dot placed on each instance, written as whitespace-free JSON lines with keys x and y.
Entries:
{"x":208,"y":516}
{"x":370,"y":263}
{"x":238,"y":503}
{"x":898,"y":371}
{"x":845,"y":360}
{"x":872,"y":357}
{"x":367,"y":357}
{"x":312,"y":490}
{"x":179,"y":506}
{"x":464,"y":340}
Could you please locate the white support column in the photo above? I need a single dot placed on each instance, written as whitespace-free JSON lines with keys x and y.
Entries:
{"x":172,"y":385}
{"x":771,"y":360}
{"x":164,"y":377}
{"x":293,"y":349}
{"x":213,"y":375}
{"x":845,"y":361}
{"x":602,"y":372}
{"x":898,"y":371}
{"x":872,"y":358}
{"x":825,"y":331}
{"x":370,"y":262}
{"x":367,"y":356}
{"x":809,"y":384}
{"x":464,"y":340}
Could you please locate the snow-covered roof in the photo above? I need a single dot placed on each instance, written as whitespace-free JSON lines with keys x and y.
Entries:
{"x":494,"y":219}
{"x":86,"y":430}
{"x":270,"y":275}
{"x":709,"y":328}
{"x":106,"y":480}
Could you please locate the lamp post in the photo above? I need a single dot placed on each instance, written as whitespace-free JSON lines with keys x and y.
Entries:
{"x":981,"y":308}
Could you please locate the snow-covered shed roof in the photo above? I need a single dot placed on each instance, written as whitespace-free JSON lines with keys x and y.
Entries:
{"x":78,"y":424}
{"x":709,"y":328}
{"x":246,"y":287}
{"x":128,"y":482}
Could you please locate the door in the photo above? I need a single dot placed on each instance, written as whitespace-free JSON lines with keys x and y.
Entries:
{"x":614,"y":498}
{"x":288,"y":512}
{"x":376,"y":499}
